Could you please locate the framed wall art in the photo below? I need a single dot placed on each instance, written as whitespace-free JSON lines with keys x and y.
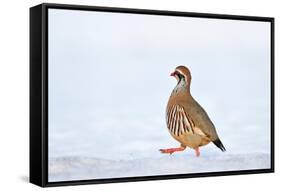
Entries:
{"x":120,"y":94}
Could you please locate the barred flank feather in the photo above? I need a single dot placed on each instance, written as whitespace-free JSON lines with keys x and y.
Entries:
{"x":177,"y":121}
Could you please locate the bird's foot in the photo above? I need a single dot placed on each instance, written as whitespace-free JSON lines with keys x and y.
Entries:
{"x":171,"y":150}
{"x":197,"y":152}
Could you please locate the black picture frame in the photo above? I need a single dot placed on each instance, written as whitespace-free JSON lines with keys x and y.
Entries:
{"x":39,"y":93}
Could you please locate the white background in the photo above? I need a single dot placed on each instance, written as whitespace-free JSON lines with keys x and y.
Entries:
{"x":14,"y":105}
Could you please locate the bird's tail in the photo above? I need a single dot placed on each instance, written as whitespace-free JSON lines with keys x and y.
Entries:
{"x":219,"y":144}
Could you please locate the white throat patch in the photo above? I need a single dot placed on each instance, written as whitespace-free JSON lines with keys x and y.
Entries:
{"x":180,"y":86}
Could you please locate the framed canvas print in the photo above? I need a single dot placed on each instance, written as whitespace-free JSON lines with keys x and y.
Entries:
{"x":129,"y":94}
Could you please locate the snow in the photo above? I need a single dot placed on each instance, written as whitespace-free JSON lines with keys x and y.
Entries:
{"x":77,"y":168}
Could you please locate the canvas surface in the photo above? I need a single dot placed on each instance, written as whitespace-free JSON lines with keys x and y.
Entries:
{"x":109,"y":85}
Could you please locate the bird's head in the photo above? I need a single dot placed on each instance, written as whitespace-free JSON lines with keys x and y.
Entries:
{"x":182,"y":73}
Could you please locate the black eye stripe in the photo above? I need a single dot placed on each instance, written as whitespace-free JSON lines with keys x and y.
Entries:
{"x":180,"y":76}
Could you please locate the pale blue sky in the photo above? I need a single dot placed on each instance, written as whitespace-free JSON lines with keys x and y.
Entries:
{"x":109,"y":81}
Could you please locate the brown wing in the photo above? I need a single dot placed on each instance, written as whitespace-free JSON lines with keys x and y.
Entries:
{"x":206,"y":125}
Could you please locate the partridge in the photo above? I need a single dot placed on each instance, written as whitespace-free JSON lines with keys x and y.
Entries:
{"x":186,"y":120}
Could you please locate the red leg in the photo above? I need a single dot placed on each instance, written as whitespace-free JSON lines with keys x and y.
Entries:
{"x":197,"y":152}
{"x":171,"y":150}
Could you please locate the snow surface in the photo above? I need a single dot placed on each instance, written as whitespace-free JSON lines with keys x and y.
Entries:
{"x":77,"y":168}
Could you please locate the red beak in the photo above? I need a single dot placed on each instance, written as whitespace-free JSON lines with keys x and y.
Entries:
{"x":173,"y":74}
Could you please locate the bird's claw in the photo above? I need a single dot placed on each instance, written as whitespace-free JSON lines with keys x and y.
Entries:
{"x":171,"y":150}
{"x":166,"y":151}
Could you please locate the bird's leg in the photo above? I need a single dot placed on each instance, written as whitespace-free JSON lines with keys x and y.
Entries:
{"x":197,"y":151}
{"x":172,"y":150}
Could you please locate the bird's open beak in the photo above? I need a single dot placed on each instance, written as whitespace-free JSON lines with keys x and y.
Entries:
{"x":173,"y":74}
